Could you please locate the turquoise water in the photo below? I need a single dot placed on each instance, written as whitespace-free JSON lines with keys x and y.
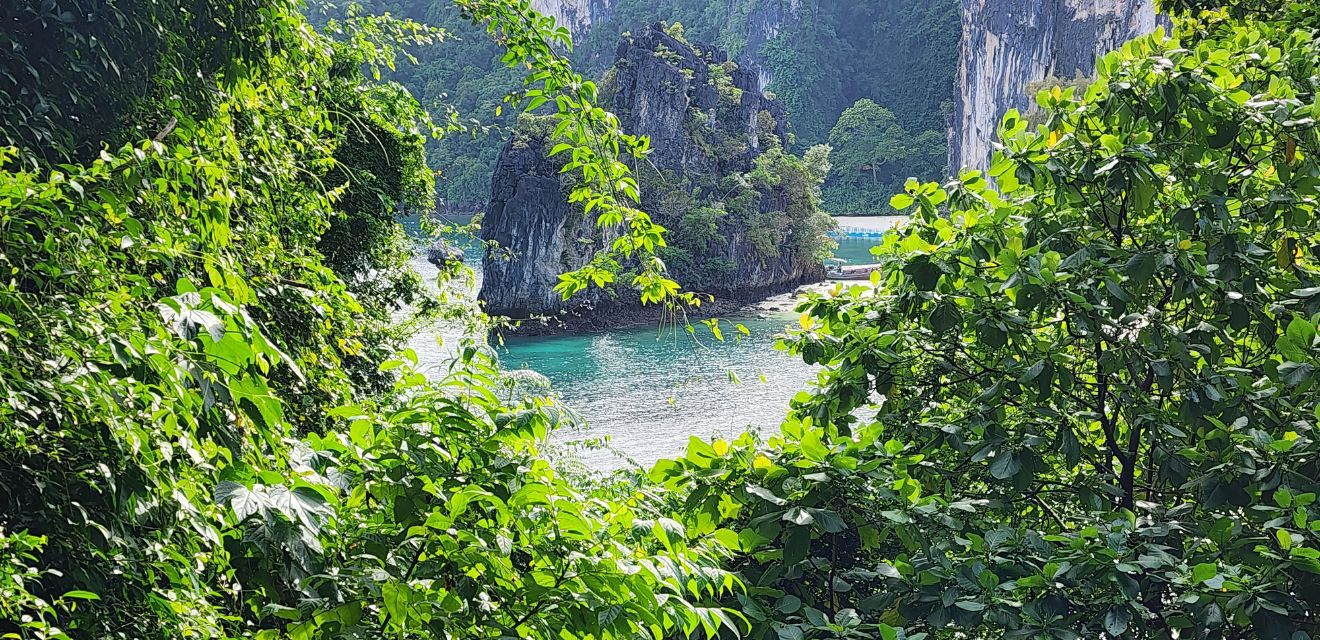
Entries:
{"x":855,"y":250}
{"x":644,"y":392}
{"x":649,"y":390}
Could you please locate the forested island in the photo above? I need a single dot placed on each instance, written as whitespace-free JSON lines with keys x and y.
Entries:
{"x":1076,"y":398}
{"x":743,"y":214}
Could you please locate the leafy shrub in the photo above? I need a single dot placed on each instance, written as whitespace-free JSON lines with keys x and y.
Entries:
{"x":1080,"y":405}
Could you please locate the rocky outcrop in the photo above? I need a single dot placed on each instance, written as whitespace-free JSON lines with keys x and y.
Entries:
{"x":577,"y":15}
{"x":442,"y":254}
{"x":708,"y":123}
{"x":1009,"y":44}
{"x":532,"y":232}
{"x":659,"y":86}
{"x":764,"y":23}
{"x":760,"y":24}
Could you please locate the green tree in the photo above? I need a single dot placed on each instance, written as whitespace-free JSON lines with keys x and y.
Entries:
{"x":873,"y":155}
{"x":1080,"y":405}
{"x":866,"y":138}
{"x":189,"y":225}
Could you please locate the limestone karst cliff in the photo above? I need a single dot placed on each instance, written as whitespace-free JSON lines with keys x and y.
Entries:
{"x":743,"y":214}
{"x":1010,"y":44}
{"x":753,"y":24}
{"x":577,"y":15}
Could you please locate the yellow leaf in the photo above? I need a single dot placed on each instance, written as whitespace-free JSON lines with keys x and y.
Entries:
{"x":806,"y":321}
{"x":1185,"y":245}
{"x":1286,"y":252}
{"x":761,"y":462}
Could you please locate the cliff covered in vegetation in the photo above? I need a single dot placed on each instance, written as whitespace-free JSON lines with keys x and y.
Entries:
{"x":818,"y":58}
{"x":743,"y":214}
{"x":1079,"y":404}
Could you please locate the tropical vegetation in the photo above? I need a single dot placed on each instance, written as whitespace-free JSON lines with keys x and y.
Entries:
{"x":819,"y":60}
{"x":874,"y":156}
{"x":1078,"y":400}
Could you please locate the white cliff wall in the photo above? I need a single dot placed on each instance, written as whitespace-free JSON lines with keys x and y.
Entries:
{"x":1008,"y":44}
{"x":577,"y":15}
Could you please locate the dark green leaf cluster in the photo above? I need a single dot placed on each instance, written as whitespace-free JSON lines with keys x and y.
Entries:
{"x":1080,"y":404}
{"x":181,"y":314}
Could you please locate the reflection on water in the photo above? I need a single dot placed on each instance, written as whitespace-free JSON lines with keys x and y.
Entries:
{"x":652,"y":389}
{"x":648,"y":390}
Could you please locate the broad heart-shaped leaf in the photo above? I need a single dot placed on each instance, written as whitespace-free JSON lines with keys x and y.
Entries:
{"x":1302,"y":333}
{"x":301,"y":504}
{"x":242,"y":500}
{"x":766,"y":494}
{"x":945,"y":317}
{"x":797,"y":544}
{"x":924,"y":274}
{"x":799,"y":516}
{"x":828,"y":521}
{"x":1293,"y":373}
{"x":1140,"y":267}
{"x":789,"y":604}
{"x":788,"y":632}
{"x":183,"y":316}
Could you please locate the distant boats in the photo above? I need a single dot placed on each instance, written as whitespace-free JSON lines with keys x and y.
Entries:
{"x":859,"y":232}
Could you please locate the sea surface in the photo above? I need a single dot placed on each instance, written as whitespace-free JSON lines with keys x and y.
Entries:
{"x":643,"y":392}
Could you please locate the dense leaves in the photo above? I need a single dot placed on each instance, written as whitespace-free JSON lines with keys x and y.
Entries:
{"x":1078,"y":403}
{"x":874,"y":156}
{"x":180,"y":309}
{"x":1082,"y":404}
{"x":448,"y":520}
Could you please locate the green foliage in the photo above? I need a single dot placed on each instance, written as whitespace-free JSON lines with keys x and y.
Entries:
{"x":179,"y":310}
{"x":176,"y":277}
{"x":900,"y":53}
{"x":465,"y":80}
{"x":1298,"y":14}
{"x":479,"y":537}
{"x":1083,"y":405}
{"x":873,"y":156}
{"x":794,"y":222}
{"x":107,"y":66}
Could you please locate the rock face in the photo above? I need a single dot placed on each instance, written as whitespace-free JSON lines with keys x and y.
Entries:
{"x":708,"y":124}
{"x":759,"y":25}
{"x":577,"y":15}
{"x":532,"y":232}
{"x":1009,"y":44}
{"x":763,"y":24}
{"x":658,"y":84}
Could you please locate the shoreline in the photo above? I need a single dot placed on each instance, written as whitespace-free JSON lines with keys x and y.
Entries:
{"x":622,"y":316}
